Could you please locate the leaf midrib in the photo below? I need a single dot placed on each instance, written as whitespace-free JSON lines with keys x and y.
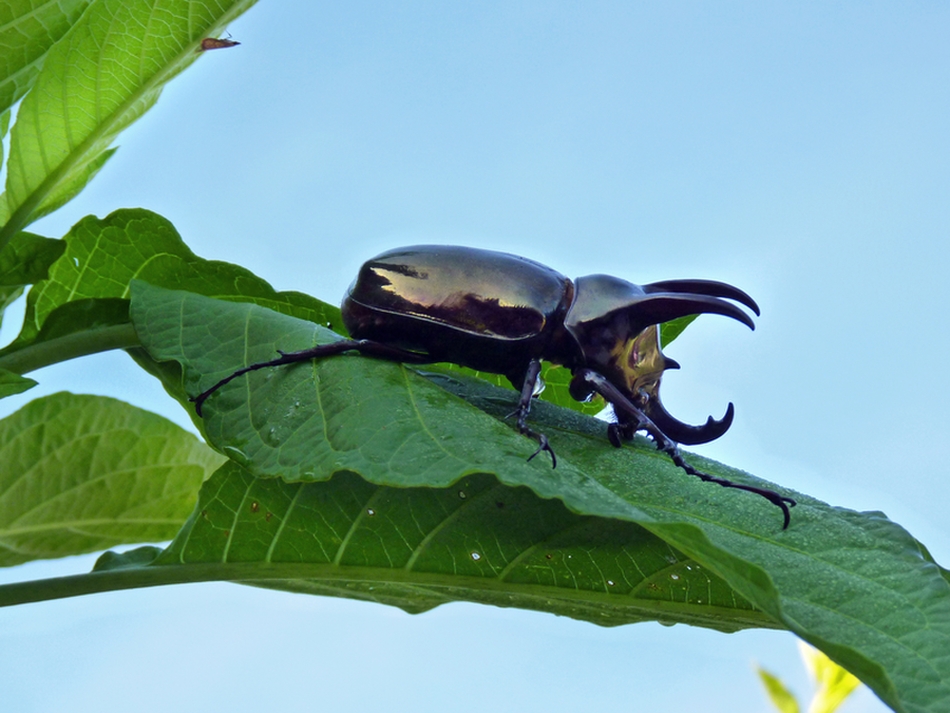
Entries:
{"x":259,"y":573}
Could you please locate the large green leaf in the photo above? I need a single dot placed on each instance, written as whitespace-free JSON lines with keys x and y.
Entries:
{"x":854,"y":584}
{"x":81,"y":473}
{"x":28,"y":28}
{"x":106,"y":72}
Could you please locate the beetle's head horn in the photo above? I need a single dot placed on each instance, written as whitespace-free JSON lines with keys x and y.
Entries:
{"x":683,"y":432}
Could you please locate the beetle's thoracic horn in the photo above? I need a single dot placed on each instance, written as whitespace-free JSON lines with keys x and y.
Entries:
{"x":710,"y":288}
{"x":658,"y":307}
{"x":683,"y":432}
{"x":601,"y":297}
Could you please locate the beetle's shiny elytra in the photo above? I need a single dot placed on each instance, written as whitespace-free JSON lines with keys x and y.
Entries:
{"x":503,"y":314}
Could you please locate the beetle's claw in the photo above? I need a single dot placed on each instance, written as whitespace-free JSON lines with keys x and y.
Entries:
{"x":543,"y":445}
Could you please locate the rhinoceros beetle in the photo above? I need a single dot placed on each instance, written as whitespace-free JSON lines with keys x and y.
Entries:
{"x":503,"y":314}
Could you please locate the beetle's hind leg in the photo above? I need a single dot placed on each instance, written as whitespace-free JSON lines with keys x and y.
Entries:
{"x":632,"y":419}
{"x":531,"y":377}
{"x":363,"y":346}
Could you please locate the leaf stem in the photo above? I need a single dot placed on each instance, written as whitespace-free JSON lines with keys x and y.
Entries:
{"x":90,"y":341}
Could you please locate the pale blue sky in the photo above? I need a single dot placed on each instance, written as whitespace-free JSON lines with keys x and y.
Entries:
{"x":798,"y":150}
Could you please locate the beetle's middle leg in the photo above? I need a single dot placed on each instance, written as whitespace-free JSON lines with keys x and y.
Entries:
{"x":524,"y":407}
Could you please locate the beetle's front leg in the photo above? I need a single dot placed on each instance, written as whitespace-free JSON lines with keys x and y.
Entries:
{"x":524,"y":407}
{"x":633,"y":419}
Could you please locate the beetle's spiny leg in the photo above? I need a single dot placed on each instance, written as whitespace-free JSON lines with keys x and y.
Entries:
{"x":668,"y":447}
{"x":363,"y":346}
{"x":524,"y":407}
{"x":633,"y":420}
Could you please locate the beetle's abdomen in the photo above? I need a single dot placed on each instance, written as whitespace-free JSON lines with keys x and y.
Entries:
{"x":484,"y":309}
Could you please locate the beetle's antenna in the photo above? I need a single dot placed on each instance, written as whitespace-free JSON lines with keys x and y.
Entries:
{"x":639,"y":421}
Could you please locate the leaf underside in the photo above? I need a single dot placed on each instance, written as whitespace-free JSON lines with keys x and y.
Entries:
{"x":480,"y":541}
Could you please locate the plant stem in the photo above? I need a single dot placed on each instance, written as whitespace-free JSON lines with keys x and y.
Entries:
{"x":91,"y":341}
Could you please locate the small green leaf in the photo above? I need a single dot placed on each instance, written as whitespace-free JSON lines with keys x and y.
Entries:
{"x":138,"y":557}
{"x":106,"y":72}
{"x":783,"y":698}
{"x":833,"y":684}
{"x":82,"y":473}
{"x":11,"y":383}
{"x":26,"y":259}
{"x":671,"y":330}
{"x":556,"y":380}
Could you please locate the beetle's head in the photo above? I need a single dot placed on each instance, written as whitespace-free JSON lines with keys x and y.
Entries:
{"x":615,"y":325}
